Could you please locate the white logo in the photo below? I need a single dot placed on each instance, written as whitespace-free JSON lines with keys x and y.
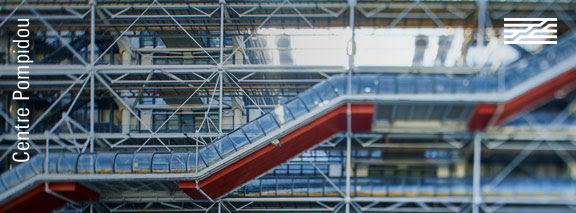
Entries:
{"x":529,"y":30}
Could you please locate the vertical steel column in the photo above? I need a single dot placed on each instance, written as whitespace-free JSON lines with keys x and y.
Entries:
{"x":91,"y":67}
{"x":352,"y":53}
{"x":482,"y":5}
{"x":477,"y":199}
{"x":221,"y":65}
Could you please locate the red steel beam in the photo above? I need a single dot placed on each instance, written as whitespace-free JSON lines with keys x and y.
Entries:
{"x":271,"y":156}
{"x":39,"y":200}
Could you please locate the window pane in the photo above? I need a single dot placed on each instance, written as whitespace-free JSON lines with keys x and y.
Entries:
{"x":37,"y":163}
{"x":161,"y":163}
{"x":53,"y":162}
{"x":10,"y":179}
{"x":386,"y":85}
{"x":311,"y":99}
{"x":238,"y":138}
{"x":142,"y":162}
{"x":192,"y":166}
{"x":124,"y":163}
{"x":267,"y":123}
{"x":340,"y":83}
{"x":105,"y":162}
{"x":224,"y":146}
{"x":209,"y":155}
{"x":282,"y":114}
{"x":368,"y":84}
{"x":296,"y":107}
{"x":67,"y":163}
{"x":86,"y":163}
{"x":252,"y":131}
{"x":325,"y":91}
{"x":24,"y":171}
{"x":178,"y":162}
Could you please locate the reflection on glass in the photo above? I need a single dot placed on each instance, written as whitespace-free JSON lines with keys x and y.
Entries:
{"x":325,"y":91}
{"x":267,"y":123}
{"x":86,"y":163}
{"x":282,"y":114}
{"x":53,"y":162}
{"x":10,"y":179}
{"x":142,"y":162}
{"x":105,"y":162}
{"x":252,"y":131}
{"x":123,"y":163}
{"x":178,"y":162}
{"x":193,"y":165}
{"x":161,"y":163}
{"x":296,"y":107}
{"x":24,"y":171}
{"x":209,"y":155}
{"x":311,"y":99}
{"x":238,"y":138}
{"x":224,"y":146}
{"x":37,"y":163}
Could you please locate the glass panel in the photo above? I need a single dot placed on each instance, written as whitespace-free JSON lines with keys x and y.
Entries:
{"x":142,"y":162}
{"x":124,"y":163}
{"x":24,"y":171}
{"x":479,"y":84}
{"x":192,"y":167}
{"x":10,"y":179}
{"x":325,"y":91}
{"x":368,"y":84}
{"x":462,"y":85}
{"x":386,"y":85}
{"x":300,"y":187}
{"x":282,"y":114}
{"x":238,"y":138}
{"x":161,"y":163}
{"x":178,"y":162}
{"x":86,"y":163}
{"x":224,"y":146}
{"x":443,"y":85}
{"x":105,"y":162}
{"x":2,"y":187}
{"x":252,"y":131}
{"x":37,"y":163}
{"x":311,"y":99}
{"x":296,"y":107}
{"x":267,"y":123}
{"x":67,"y":163}
{"x":209,"y":155}
{"x":269,"y":187}
{"x":406,"y":84}
{"x":425,"y":85}
{"x":253,"y":188}
{"x":340,"y":83}
{"x":53,"y":162}
{"x":284,"y":187}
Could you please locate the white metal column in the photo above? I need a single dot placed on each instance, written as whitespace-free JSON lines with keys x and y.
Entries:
{"x":477,"y":199}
